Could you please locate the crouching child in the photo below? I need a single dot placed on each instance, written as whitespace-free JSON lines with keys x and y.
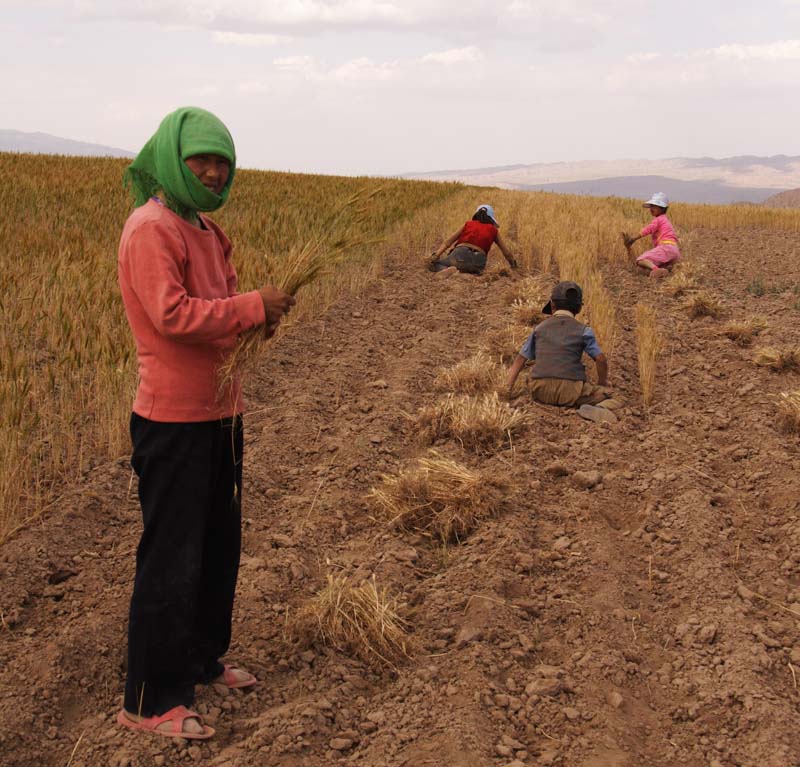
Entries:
{"x":557,"y":346}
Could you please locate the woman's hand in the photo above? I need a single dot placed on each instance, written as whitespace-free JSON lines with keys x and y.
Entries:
{"x":276,"y":305}
{"x":512,"y":262}
{"x":270,"y":330}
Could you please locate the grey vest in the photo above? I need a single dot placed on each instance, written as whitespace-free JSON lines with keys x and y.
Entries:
{"x":559,"y":349}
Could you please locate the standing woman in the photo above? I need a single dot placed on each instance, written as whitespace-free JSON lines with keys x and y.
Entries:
{"x":472,"y":243}
{"x":179,"y":289}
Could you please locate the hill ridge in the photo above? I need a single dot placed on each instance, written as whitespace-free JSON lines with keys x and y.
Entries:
{"x":37,"y":142}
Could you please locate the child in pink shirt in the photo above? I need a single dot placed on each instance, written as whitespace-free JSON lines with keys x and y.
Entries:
{"x":665,"y":253}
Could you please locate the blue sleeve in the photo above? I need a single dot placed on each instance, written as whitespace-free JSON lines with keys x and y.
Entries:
{"x":590,"y":345}
{"x":528,"y":349}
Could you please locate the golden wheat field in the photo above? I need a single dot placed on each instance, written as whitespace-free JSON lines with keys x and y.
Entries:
{"x":435,"y":569}
{"x":68,"y":363}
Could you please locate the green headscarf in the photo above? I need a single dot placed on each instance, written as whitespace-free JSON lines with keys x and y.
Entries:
{"x":160,"y":165}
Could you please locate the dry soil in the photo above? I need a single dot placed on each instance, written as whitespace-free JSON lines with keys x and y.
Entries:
{"x":636,"y":605}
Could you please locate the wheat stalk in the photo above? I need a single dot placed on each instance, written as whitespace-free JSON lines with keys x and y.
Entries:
{"x":703,"y":304}
{"x":480,"y":423}
{"x":479,"y":373}
{"x":504,"y":343}
{"x":361,"y":620}
{"x":439,"y":497}
{"x":301,"y":266}
{"x":648,"y":347}
{"x":778,"y":359}
{"x":743,"y":332}
{"x":789,"y":411}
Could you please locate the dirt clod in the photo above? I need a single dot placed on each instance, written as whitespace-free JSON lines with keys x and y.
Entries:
{"x":586,"y":480}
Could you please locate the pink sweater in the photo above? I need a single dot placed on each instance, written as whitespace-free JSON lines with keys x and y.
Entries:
{"x":661,"y":230}
{"x":179,"y":290}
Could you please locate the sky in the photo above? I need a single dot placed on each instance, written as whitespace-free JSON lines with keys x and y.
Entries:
{"x":385,"y":87}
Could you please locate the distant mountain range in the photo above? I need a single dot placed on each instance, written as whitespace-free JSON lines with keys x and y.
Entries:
{"x":745,"y":178}
{"x":704,"y":179}
{"x":790,"y":199}
{"x":44,"y":143}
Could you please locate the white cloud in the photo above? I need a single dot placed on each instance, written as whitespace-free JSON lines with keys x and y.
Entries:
{"x":782,"y":50}
{"x":252,"y":87}
{"x":250,"y":40}
{"x":239,"y":15}
{"x":454,"y":56}
{"x":760,"y":68}
{"x":364,"y":69}
{"x":302,"y":65}
{"x":566,"y":24}
{"x":642,"y":58}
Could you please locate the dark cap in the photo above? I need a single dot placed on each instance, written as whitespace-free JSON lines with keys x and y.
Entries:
{"x":566,"y":292}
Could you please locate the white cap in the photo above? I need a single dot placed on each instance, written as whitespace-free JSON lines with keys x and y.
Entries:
{"x":489,"y":212}
{"x":660,"y":199}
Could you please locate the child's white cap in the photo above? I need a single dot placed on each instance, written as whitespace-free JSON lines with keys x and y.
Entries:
{"x":660,"y":199}
{"x":489,"y":212}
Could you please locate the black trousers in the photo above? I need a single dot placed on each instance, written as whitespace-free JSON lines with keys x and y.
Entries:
{"x":190,"y":489}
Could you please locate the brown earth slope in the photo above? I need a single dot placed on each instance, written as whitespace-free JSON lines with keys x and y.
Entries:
{"x":787,"y":199}
{"x":650,"y":619}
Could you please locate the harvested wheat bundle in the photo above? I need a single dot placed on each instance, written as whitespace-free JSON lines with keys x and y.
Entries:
{"x":789,"y":411}
{"x":504,"y":343}
{"x":360,"y":620}
{"x":441,"y":498}
{"x":531,"y":289}
{"x":703,"y":304}
{"x":477,"y":374}
{"x":680,"y":284}
{"x":648,"y":347}
{"x":744,"y":331}
{"x":480,"y":423}
{"x":299,"y":267}
{"x":527,"y":312}
{"x":778,"y":360}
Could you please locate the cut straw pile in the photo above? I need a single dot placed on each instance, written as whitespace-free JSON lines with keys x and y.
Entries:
{"x":789,"y":411}
{"x":743,"y":332}
{"x":778,"y":360}
{"x":504,"y":344}
{"x":648,"y":346}
{"x":527,"y":311}
{"x":680,"y":284}
{"x":479,"y":373}
{"x":480,"y":423}
{"x":703,"y":304}
{"x":440,"y":498}
{"x":359,"y":620}
{"x":299,"y":267}
{"x":531,"y":289}
{"x":527,"y":299}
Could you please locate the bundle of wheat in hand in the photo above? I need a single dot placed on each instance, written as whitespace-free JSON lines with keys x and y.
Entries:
{"x":301,"y":266}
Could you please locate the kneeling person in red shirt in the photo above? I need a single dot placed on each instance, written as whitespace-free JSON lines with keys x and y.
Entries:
{"x":470,"y":245}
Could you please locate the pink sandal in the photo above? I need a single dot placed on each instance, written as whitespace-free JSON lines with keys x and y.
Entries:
{"x":229,"y":678}
{"x":177,"y":716}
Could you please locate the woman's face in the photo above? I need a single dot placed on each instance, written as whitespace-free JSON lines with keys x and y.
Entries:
{"x":212,"y":170}
{"x":655,"y":210}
